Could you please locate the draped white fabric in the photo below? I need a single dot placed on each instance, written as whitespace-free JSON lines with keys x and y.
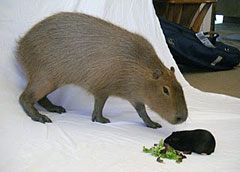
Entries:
{"x":74,"y":143}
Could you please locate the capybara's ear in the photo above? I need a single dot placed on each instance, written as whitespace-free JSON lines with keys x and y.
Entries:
{"x":156,"y":74}
{"x":172,"y":69}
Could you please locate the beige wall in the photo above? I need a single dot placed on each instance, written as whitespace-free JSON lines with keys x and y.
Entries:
{"x":230,"y":8}
{"x":207,"y":21}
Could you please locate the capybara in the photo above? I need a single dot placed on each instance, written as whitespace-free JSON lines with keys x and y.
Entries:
{"x":104,"y":59}
{"x":198,"y":141}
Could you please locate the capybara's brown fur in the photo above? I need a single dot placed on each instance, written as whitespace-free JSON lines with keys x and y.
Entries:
{"x":105,"y":60}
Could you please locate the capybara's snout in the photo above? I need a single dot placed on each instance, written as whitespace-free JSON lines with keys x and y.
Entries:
{"x":180,"y":118}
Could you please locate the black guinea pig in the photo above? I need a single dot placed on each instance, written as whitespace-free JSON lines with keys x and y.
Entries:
{"x":199,"y":141}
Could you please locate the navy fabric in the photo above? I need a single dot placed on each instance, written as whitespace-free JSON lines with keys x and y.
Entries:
{"x":187,"y":49}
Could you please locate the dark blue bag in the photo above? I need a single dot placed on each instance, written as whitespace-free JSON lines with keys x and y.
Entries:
{"x":188,"y":49}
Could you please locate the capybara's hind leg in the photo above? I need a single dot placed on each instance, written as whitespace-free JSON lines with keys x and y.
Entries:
{"x":30,"y":96}
{"x":47,"y":104}
{"x":31,"y":111}
{"x":98,"y":108}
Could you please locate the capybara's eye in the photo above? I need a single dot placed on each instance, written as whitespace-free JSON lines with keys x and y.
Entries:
{"x":165,"y":90}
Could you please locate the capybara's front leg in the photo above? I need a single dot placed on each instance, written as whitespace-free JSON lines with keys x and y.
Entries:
{"x":140,"y":108}
{"x":98,"y":108}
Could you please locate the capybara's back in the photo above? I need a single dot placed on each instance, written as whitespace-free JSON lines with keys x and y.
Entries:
{"x":106,"y":60}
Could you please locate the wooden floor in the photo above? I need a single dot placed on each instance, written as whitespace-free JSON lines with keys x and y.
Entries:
{"x":224,"y":82}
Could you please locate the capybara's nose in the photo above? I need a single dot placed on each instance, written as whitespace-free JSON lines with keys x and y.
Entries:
{"x":181,"y":118}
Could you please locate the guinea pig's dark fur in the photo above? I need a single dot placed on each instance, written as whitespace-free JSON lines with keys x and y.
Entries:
{"x":198,"y":141}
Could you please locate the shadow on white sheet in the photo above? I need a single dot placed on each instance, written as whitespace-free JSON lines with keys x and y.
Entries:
{"x":74,"y":143}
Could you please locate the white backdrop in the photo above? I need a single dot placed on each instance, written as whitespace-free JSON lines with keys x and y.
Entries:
{"x":72,"y":142}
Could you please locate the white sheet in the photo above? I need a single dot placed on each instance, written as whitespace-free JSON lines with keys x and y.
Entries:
{"x":74,"y":143}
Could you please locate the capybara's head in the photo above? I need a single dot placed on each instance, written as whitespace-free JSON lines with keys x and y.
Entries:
{"x":164,"y":95}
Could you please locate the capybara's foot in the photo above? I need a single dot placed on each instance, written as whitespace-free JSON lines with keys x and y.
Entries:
{"x":41,"y":118}
{"x":57,"y":109}
{"x":31,"y":110}
{"x":98,"y":107}
{"x":153,"y":125}
{"x":47,"y":104}
{"x":140,"y":108}
{"x":100,"y":119}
